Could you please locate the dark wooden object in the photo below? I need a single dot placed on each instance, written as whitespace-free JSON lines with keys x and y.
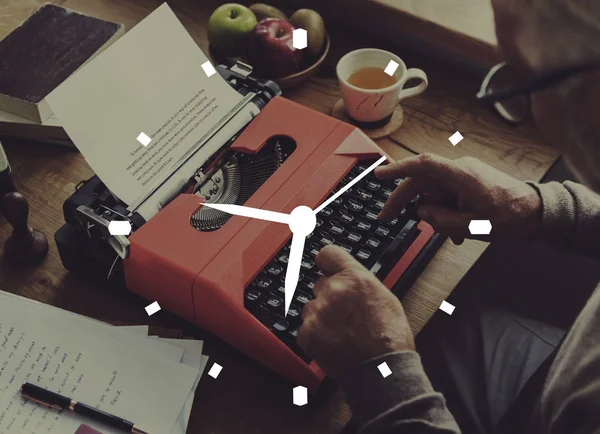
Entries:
{"x":25,"y":246}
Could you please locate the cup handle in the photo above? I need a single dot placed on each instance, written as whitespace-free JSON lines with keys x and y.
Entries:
{"x":415,"y":90}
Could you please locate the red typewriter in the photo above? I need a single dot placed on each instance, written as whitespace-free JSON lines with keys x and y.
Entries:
{"x":226,"y":273}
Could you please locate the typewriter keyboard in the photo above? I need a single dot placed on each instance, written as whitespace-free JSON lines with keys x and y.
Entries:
{"x":349,"y":222}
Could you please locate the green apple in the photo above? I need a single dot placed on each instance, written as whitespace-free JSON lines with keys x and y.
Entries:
{"x":228,"y":27}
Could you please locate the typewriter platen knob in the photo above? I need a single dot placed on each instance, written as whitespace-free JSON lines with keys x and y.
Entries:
{"x":25,"y":246}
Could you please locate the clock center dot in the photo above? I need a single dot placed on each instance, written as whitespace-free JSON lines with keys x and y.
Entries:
{"x":303,"y":220}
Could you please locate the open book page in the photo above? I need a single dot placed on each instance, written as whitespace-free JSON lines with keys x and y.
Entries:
{"x":150,"y":81}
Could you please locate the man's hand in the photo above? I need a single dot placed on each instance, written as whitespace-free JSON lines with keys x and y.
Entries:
{"x":353,"y":317}
{"x":454,"y":192}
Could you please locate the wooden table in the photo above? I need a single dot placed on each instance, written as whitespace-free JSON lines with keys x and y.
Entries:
{"x":247,"y":398}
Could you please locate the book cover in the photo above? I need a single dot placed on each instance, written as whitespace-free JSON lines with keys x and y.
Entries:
{"x":45,"y":50}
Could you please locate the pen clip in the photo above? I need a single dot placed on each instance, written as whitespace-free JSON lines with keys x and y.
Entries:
{"x":45,"y":404}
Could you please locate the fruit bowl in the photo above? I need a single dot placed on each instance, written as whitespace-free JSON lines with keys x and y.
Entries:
{"x":288,"y":81}
{"x":308,"y":71}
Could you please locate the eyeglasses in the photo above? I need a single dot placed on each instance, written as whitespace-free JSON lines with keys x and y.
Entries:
{"x":511,"y":98}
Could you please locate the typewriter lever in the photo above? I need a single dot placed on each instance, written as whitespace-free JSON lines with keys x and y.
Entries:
{"x":93,"y":222}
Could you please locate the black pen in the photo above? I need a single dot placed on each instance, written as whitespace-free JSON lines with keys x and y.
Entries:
{"x":58,"y":402}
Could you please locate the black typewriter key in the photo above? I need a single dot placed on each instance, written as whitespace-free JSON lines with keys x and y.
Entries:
{"x":339,"y":201}
{"x":354,"y":237}
{"x":355,"y":206}
{"x":262,"y":313}
{"x":327,"y":211}
{"x":379,"y":204}
{"x":274,"y":269}
{"x":370,"y":215}
{"x":363,"y":195}
{"x":293,"y":312}
{"x":279,"y":291}
{"x":363,"y":254}
{"x":373,"y":243}
{"x":326,"y":238}
{"x":392,"y":222}
{"x":280,"y":326}
{"x":307,"y":263}
{"x":302,"y":298}
{"x":382,"y":231}
{"x":387,"y":193}
{"x":283,"y":258}
{"x":294,"y":333}
{"x":319,"y":222}
{"x":346,"y":248}
{"x":362,"y":225}
{"x":346,"y":217}
{"x":262,"y":281}
{"x":397,"y":181}
{"x":252,"y":295}
{"x":336,"y":227}
{"x":310,"y":284}
{"x":319,"y":273}
{"x":373,"y":185}
{"x":314,"y":249}
{"x":300,"y":277}
{"x":274,"y":302}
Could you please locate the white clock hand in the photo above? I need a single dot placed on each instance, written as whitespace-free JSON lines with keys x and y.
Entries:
{"x":303,"y":222}
{"x":350,"y":184}
{"x":293,"y":268}
{"x":256,"y":213}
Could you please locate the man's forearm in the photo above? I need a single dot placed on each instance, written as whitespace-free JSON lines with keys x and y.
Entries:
{"x":402,"y":402}
{"x":571,"y":217}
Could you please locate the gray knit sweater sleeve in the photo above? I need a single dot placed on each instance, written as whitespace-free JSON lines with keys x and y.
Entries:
{"x":403,"y":402}
{"x":571,"y":217}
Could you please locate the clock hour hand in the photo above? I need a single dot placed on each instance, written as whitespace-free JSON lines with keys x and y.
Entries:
{"x":303,"y":222}
{"x":256,"y":213}
{"x":293,"y":268}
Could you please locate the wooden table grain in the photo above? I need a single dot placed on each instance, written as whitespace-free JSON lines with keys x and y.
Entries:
{"x":247,"y":398}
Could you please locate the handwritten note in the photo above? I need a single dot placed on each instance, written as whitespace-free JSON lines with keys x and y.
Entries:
{"x":85,"y":365}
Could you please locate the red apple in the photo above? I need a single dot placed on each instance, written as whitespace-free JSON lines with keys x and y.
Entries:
{"x":271,"y":51}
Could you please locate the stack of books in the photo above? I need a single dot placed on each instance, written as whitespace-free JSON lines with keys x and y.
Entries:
{"x":36,"y":57}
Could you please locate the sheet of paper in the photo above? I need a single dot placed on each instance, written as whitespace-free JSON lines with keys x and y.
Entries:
{"x":151,"y":80}
{"x":192,"y":357}
{"x":40,"y":314}
{"x":85,"y":367}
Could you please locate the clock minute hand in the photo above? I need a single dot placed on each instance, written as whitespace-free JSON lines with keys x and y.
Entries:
{"x":256,"y":213}
{"x":351,"y":183}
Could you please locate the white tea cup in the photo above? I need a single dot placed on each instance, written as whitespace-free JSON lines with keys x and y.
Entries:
{"x":373,"y":105}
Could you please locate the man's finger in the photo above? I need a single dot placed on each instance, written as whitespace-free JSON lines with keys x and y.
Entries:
{"x":446,"y":221}
{"x":427,"y":166}
{"x":402,"y":195}
{"x":333,"y":259}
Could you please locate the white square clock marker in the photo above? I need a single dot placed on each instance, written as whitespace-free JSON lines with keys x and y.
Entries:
{"x":456,"y":138}
{"x":144,"y":139}
{"x":391,"y":67}
{"x":152,"y":308}
{"x":447,"y":307}
{"x":215,"y":370}
{"x":208,"y":68}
